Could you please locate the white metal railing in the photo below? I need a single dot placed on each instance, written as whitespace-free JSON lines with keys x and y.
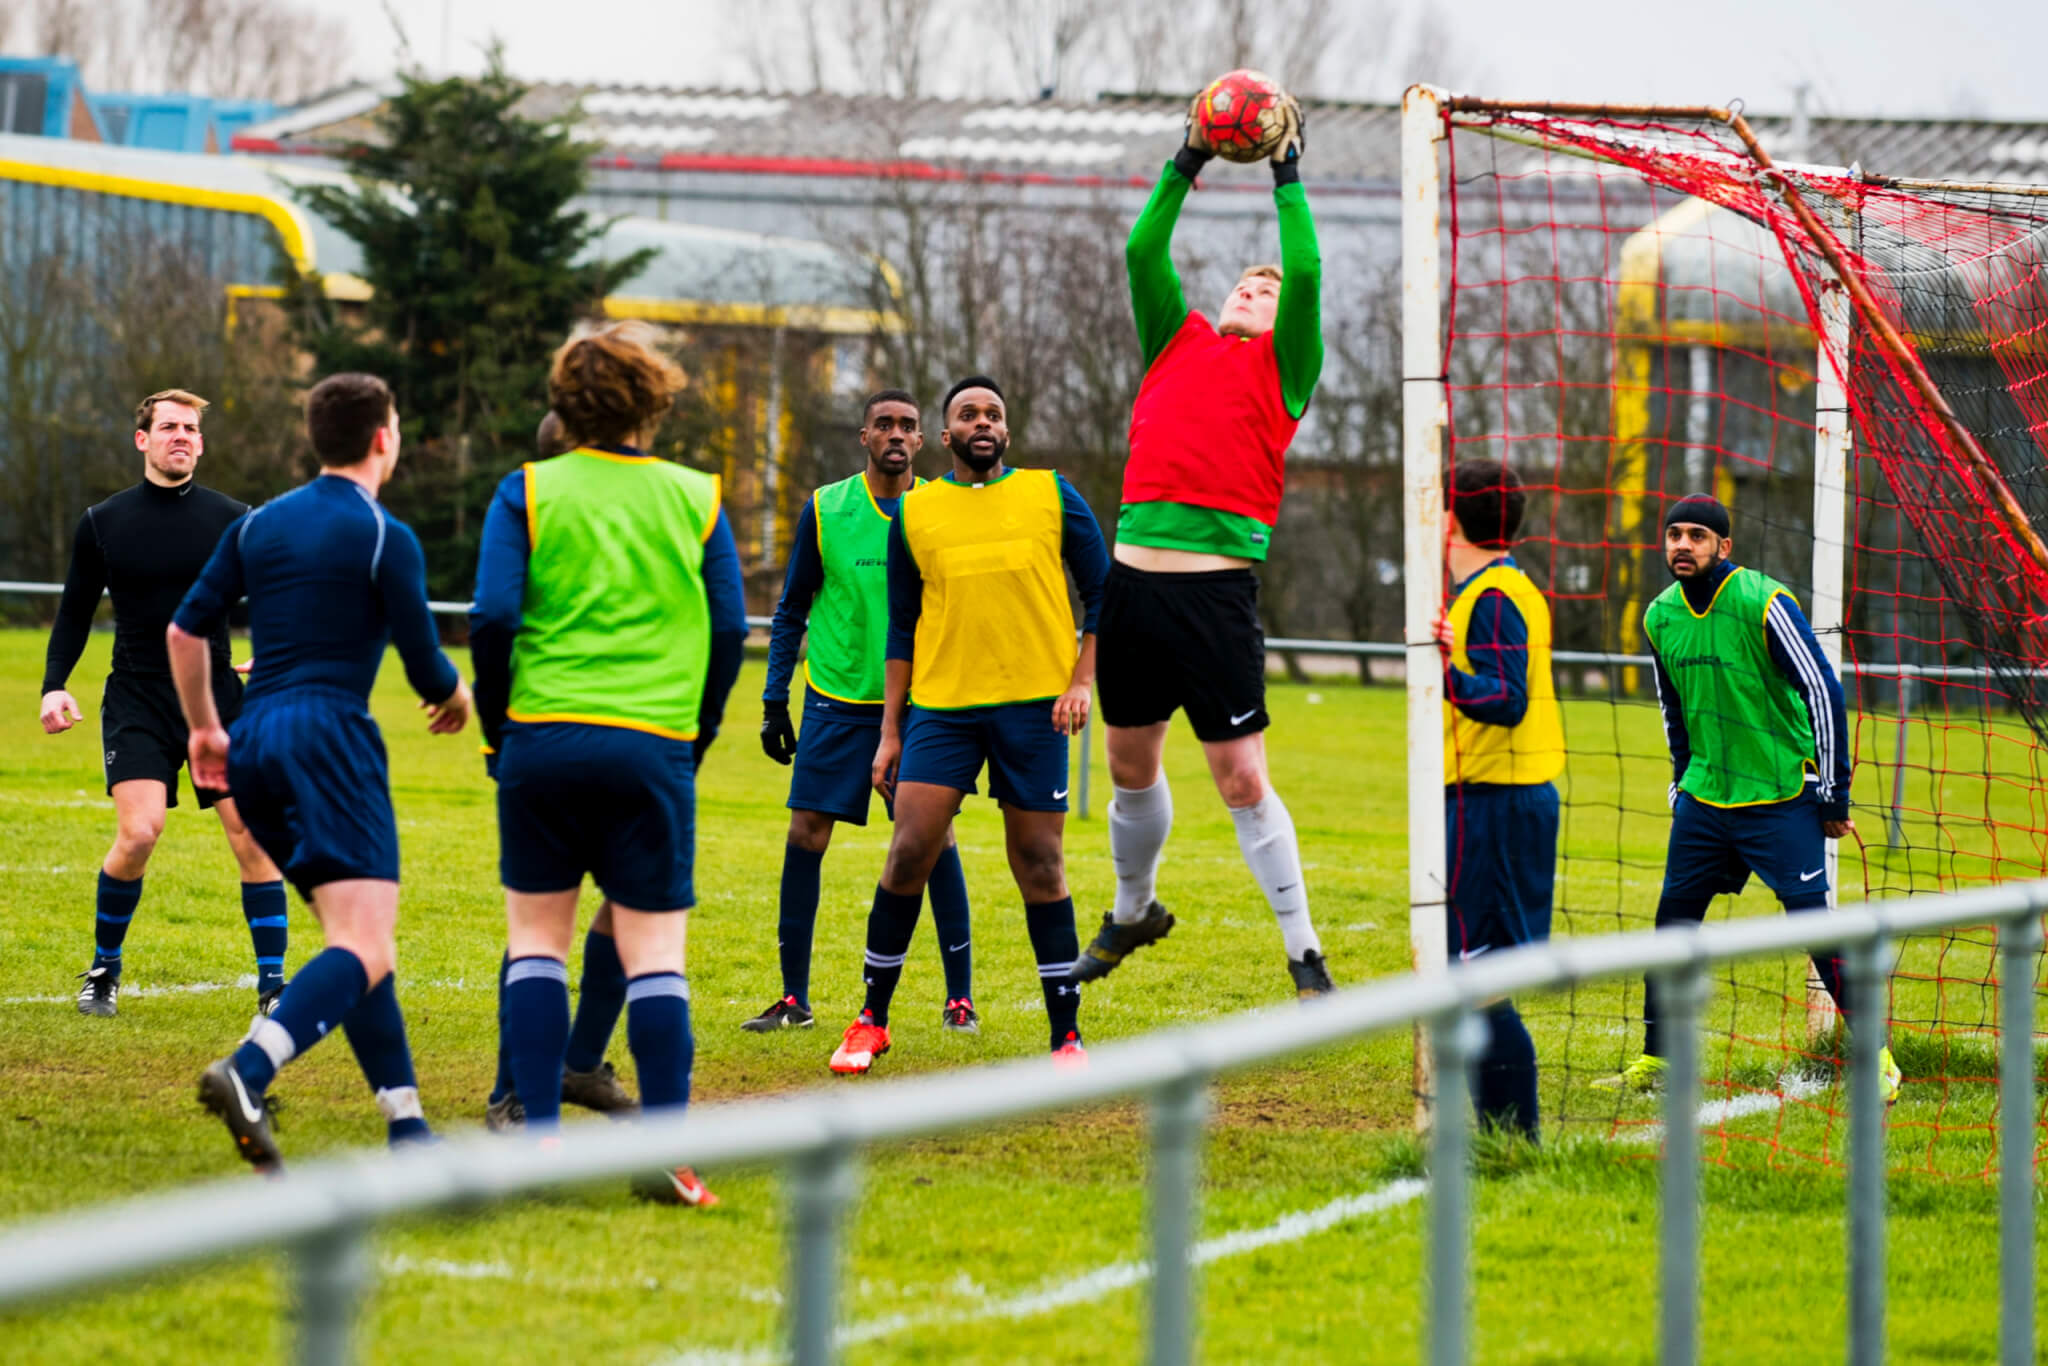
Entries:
{"x":324,"y":1210}
{"x":1376,"y":649}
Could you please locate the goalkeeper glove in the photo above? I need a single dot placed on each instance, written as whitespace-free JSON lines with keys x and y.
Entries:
{"x":1287,"y":156}
{"x":778,"y":736}
{"x":1195,"y":149}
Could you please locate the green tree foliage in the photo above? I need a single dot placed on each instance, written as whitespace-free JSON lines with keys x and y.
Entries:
{"x":479,"y":268}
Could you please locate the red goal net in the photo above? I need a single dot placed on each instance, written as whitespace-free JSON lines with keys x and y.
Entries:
{"x":1640,"y":306}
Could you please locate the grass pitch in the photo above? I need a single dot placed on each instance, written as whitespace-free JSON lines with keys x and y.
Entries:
{"x":1008,"y":1245}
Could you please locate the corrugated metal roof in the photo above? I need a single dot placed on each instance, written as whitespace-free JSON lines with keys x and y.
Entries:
{"x":699,"y":274}
{"x":202,"y":183}
{"x":1115,"y":137}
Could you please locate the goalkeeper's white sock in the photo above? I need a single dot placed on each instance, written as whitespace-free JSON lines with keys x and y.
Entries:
{"x":1265,"y":832}
{"x":1139,"y":819}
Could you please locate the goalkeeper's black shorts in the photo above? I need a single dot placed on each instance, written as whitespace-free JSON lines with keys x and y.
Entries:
{"x":1182,"y":642}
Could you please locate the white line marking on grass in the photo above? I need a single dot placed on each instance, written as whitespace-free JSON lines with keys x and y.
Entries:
{"x":1093,"y":1285}
{"x":1734,"y":1107}
{"x":402,"y":1264}
{"x":247,"y":982}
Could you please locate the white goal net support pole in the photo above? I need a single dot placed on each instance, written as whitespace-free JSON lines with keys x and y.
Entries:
{"x":1424,"y":413}
{"x":1832,"y":442}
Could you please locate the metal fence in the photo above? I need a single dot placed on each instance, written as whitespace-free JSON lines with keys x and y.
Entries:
{"x":325,"y":1211}
{"x":1375,"y":649}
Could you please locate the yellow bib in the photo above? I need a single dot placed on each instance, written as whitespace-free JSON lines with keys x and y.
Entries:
{"x":996,"y":625}
{"x":1532,"y":752}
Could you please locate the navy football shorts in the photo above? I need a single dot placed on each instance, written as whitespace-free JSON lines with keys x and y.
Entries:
{"x":618,"y":804}
{"x":835,"y":758}
{"x":1026,"y":757}
{"x":308,"y":774}
{"x":1502,"y":859}
{"x":1714,"y":849}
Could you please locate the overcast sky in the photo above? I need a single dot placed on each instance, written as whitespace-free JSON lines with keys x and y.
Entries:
{"x":1981,"y":57}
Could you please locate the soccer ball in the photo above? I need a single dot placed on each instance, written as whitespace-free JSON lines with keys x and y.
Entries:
{"x":1240,"y":115}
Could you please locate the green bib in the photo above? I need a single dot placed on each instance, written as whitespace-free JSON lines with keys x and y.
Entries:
{"x":1752,"y":741}
{"x":849,"y":625}
{"x":616,"y":629}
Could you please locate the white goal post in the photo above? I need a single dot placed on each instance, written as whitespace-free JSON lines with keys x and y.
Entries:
{"x":1424,"y":428}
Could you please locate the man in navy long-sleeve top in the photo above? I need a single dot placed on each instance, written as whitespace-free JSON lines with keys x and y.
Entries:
{"x":1503,"y":747}
{"x":331,"y":578}
{"x":1759,"y":738}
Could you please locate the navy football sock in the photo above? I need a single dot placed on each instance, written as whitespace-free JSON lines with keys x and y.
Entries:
{"x":115,"y":908}
{"x":319,"y":997}
{"x":1506,"y":1074}
{"x":1827,"y":963}
{"x":599,"y":1000}
{"x":890,"y":924}
{"x":658,"y":1032}
{"x":536,"y":1032}
{"x":796,"y":920}
{"x":1055,"y":945}
{"x":376,"y":1033}
{"x":1671,"y":910}
{"x":502,"y":1086}
{"x":948,"y":891}
{"x":263,"y":906}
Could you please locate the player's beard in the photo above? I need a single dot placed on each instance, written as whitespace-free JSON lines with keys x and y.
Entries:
{"x":162,"y":464}
{"x":1700,"y":565}
{"x":977,"y":461}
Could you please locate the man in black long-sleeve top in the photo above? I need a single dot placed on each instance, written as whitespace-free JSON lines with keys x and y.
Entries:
{"x":145,"y":546}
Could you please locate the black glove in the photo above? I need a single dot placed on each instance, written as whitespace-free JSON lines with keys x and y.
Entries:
{"x":778,"y":736}
{"x":491,"y":763}
{"x":1195,"y":150}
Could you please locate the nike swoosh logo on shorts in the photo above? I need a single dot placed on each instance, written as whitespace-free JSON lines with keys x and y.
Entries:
{"x":1808,"y":877}
{"x":249,"y":1112}
{"x":957,"y":947}
{"x":1240,"y":720}
{"x":1059,"y":794}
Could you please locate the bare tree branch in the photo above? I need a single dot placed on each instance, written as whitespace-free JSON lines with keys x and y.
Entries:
{"x":229,"y":49}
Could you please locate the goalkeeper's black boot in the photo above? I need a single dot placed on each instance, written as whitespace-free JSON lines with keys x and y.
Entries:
{"x":1311,"y":974}
{"x":247,"y":1116}
{"x":1114,"y":941}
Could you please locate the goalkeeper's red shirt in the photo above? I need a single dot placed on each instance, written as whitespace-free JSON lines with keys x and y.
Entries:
{"x":1210,"y":427}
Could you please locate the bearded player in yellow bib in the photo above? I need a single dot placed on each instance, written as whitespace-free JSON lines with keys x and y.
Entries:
{"x":982,"y":669}
{"x":835,"y":597}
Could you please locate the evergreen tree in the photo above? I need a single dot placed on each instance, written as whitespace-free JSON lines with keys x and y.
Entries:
{"x":480,"y":267}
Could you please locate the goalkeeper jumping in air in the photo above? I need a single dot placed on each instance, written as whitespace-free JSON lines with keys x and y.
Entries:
{"x":1759,"y":740}
{"x":1180,"y":618}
